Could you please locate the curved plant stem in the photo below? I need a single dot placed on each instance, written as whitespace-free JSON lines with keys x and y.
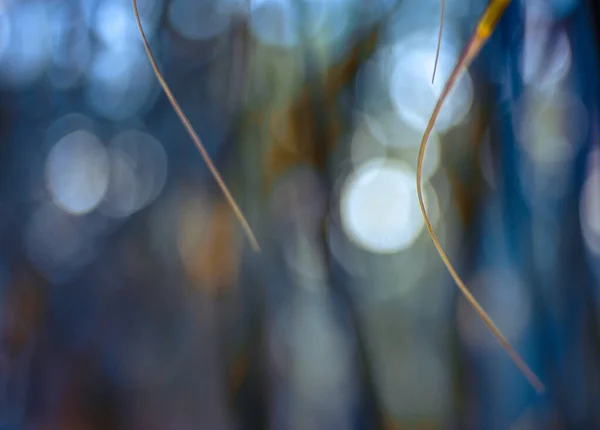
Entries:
{"x":482,"y":32}
{"x":186,"y":122}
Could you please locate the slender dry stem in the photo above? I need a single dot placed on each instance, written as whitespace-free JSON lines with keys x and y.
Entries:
{"x":480,"y":36}
{"x":209,"y":163}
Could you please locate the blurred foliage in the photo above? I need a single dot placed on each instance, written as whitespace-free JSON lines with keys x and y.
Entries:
{"x":130,"y":299}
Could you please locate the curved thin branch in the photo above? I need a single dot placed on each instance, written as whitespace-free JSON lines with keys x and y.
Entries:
{"x":209,"y":163}
{"x":480,"y":36}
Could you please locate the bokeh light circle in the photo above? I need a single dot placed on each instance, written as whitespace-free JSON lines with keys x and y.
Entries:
{"x":138,"y":172}
{"x":411,"y":89}
{"x":379,"y":207}
{"x":77,"y":172}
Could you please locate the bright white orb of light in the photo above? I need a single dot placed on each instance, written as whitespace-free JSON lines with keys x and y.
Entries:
{"x":411,"y":90}
{"x":115,"y":24}
{"x":77,"y":172}
{"x":379,"y":207}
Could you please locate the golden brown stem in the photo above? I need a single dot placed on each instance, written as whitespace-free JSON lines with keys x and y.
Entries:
{"x":482,"y":32}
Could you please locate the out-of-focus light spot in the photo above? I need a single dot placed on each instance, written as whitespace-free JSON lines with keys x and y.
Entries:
{"x":416,"y":15}
{"x":552,"y":129}
{"x":544,"y":182}
{"x":115,"y":22}
{"x":287,"y":24}
{"x":393,"y":132}
{"x":372,"y":86}
{"x":589,"y":207}
{"x":379,"y":207}
{"x":431,"y":162}
{"x":120,"y":82}
{"x":551,"y":9}
{"x":411,"y":90}
{"x":26,"y":36}
{"x":5,"y":31}
{"x":544,"y":64}
{"x":503,"y":295}
{"x":275,"y":22}
{"x":77,"y":172}
{"x":71,"y":48}
{"x":138,"y":166}
{"x":202,"y":19}
{"x":58,"y":244}
{"x":384,"y":135}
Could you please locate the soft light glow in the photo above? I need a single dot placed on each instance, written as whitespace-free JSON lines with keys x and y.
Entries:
{"x":77,"y":172}
{"x":201,"y":19}
{"x":552,"y":128}
{"x":411,"y":90}
{"x":379,"y":207}
{"x":138,"y":173}
{"x":115,"y":22}
{"x":112,"y":21}
{"x":5,"y":31}
{"x":71,"y":48}
{"x":120,"y":82}
{"x":274,"y":22}
{"x":283,"y":23}
{"x":385,"y":135}
{"x":25,"y":39}
{"x":543,"y":70}
{"x":365,"y":146}
{"x":590,"y":205}
{"x":546,"y":55}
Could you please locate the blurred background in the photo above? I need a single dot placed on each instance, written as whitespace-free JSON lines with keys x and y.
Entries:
{"x":129,"y":298}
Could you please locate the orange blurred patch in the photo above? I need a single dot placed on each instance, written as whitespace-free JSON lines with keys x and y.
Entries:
{"x":214,"y":262}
